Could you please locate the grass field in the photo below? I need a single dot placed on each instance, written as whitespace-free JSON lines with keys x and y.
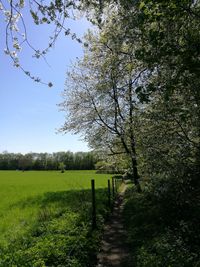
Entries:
{"x":32,"y":203}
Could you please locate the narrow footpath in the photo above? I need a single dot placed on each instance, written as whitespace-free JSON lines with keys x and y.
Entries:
{"x":114,"y":252}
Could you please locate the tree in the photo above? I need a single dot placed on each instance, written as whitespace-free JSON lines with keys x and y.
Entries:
{"x":25,"y":162}
{"x":144,"y":51}
{"x":167,"y":135}
{"x":62,"y":167}
{"x":101,"y":102}
{"x":46,"y":161}
{"x":170,"y":47}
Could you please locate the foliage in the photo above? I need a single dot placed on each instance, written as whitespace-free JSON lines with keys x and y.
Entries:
{"x":162,"y":222}
{"x":105,"y":167}
{"x":100,"y":98}
{"x":114,"y":164}
{"x":46,"y":161}
{"x":168,"y":136}
{"x":163,"y":33}
{"x":17,"y":38}
{"x":136,"y":91}
{"x":62,"y":167}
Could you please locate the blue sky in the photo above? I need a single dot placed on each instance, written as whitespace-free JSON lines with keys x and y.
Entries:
{"x":29,"y":115}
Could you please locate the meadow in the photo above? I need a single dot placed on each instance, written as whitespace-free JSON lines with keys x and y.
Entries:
{"x":45,"y":217}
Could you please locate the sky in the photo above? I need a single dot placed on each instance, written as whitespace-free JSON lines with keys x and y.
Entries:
{"x":29,"y":115}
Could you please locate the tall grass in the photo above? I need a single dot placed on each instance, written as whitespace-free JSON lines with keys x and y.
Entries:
{"x":36,"y":207}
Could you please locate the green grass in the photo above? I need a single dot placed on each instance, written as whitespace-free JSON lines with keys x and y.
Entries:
{"x":33,"y":202}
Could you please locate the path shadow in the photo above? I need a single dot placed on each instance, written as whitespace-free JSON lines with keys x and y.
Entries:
{"x":114,"y":252}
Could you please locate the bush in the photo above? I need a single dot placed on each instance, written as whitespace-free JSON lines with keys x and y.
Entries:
{"x":163,"y":222}
{"x":165,"y":251}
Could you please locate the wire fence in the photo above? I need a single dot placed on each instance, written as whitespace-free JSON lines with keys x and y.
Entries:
{"x":113,"y":186}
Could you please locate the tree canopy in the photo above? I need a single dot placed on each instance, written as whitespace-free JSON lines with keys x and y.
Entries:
{"x":46,"y":161}
{"x":141,"y":65}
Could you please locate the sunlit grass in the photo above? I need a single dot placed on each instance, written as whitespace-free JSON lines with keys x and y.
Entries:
{"x":23,"y":197}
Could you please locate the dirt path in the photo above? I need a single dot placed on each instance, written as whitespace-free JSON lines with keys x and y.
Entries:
{"x":114,"y":252}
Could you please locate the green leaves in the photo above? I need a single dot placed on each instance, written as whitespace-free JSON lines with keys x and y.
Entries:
{"x":142,"y":5}
{"x":35,"y":17}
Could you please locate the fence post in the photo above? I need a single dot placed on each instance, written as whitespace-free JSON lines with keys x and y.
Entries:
{"x":113,"y":187}
{"x":94,"y":222}
{"x":109,"y":194}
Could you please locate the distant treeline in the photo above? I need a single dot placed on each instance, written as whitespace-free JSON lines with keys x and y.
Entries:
{"x":46,"y":161}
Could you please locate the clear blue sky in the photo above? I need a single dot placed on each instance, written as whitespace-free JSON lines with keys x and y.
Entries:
{"x":29,"y":115}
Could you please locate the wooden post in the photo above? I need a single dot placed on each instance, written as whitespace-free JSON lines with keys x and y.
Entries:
{"x":109,"y":194}
{"x":113,"y":187}
{"x":94,"y":222}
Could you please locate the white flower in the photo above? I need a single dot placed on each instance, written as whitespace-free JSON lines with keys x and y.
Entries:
{"x":14,"y":27}
{"x":6,"y":51}
{"x":13,"y":53}
{"x":7,"y":13}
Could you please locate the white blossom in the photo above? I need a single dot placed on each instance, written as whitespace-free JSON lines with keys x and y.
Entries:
{"x":13,"y":53}
{"x":6,"y":51}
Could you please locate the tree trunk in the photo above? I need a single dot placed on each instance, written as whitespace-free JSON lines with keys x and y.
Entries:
{"x":132,"y":138}
{"x":136,"y":175}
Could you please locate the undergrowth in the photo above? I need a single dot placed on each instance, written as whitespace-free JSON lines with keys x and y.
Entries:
{"x":163,"y":222}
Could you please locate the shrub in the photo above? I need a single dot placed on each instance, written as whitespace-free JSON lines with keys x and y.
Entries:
{"x":163,"y":222}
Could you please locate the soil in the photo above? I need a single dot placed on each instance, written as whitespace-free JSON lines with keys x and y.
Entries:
{"x":114,"y":250}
